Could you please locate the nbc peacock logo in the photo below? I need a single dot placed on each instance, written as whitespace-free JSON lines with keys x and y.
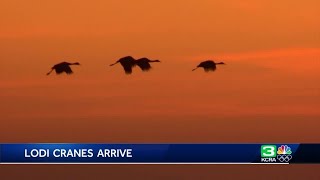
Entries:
{"x":284,"y":153}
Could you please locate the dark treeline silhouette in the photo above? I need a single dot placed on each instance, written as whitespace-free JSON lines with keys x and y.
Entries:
{"x":63,"y":67}
{"x":129,"y":62}
{"x":208,"y":65}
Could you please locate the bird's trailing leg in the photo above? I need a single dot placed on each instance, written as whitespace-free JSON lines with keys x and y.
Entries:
{"x":114,"y":63}
{"x":49,"y":72}
{"x":194,"y":68}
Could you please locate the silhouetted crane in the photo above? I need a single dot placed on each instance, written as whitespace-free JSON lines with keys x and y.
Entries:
{"x":127,"y":63}
{"x":208,"y":65}
{"x":144,"y":63}
{"x":63,"y":67}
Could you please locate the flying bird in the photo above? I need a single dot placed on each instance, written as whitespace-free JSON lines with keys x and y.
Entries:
{"x":208,"y":65}
{"x":127,"y":63}
{"x":144,"y":63}
{"x":63,"y":67}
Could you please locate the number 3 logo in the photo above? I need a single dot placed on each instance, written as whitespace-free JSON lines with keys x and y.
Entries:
{"x":268,"y":151}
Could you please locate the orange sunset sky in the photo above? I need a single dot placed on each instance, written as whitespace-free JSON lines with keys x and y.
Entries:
{"x":271,"y":78}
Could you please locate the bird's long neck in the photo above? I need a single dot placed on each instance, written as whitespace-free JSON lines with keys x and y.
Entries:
{"x":219,"y":63}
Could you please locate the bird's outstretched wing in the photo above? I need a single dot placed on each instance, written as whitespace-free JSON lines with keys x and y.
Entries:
{"x":208,"y":65}
{"x":63,"y":68}
{"x":127,"y":63}
{"x":144,"y":66}
{"x":127,"y":67}
{"x":68,"y":70}
{"x":208,"y":69}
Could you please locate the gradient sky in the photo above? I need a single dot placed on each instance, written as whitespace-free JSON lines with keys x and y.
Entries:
{"x":271,"y":48}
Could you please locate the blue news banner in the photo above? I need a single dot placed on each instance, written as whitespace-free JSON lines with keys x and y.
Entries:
{"x":158,"y":153}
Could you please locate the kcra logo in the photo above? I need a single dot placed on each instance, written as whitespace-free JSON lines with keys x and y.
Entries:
{"x":272,"y":154}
